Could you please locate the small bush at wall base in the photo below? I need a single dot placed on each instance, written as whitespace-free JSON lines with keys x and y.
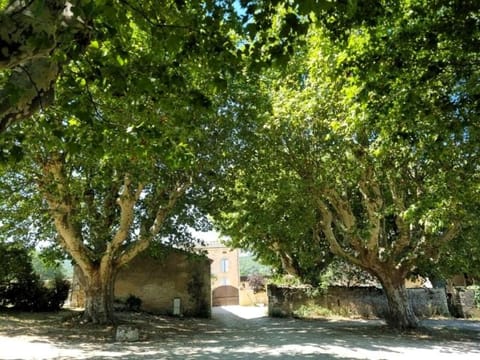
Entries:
{"x":133,"y":303}
{"x":256,"y":283}
{"x":276,"y":313}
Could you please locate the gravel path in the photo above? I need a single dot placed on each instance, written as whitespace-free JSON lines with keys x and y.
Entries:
{"x":245,"y":333}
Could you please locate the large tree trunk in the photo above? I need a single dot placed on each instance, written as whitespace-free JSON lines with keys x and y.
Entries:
{"x":99,"y":295}
{"x":400,"y":311}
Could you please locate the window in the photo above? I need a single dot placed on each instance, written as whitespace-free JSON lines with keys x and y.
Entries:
{"x":224,"y":265}
{"x":225,"y":281}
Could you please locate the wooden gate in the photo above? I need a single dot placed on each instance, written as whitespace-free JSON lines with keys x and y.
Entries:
{"x":225,"y":295}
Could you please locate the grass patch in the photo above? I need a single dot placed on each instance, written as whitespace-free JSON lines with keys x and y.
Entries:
{"x":313,"y":311}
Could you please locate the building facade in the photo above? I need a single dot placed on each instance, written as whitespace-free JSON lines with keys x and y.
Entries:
{"x":176,"y":284}
{"x":225,"y":273}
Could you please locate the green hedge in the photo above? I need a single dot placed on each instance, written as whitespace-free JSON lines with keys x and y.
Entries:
{"x":21,"y":288}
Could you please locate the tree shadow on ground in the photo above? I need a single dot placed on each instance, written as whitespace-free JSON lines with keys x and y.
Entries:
{"x":228,"y":336}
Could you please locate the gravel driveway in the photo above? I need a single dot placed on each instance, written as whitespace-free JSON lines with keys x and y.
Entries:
{"x":245,"y":333}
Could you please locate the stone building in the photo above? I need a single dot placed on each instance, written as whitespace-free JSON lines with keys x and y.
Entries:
{"x":225,"y":273}
{"x":177,"y":283}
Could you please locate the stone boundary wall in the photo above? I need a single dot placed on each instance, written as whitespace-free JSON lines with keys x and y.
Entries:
{"x":462,"y":303}
{"x":365,"y":302}
{"x":247,"y":297}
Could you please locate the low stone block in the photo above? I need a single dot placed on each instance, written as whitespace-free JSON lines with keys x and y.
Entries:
{"x":126,"y":333}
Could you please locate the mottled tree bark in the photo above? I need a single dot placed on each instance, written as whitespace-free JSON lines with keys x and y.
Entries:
{"x":99,"y":295}
{"x":400,"y":315}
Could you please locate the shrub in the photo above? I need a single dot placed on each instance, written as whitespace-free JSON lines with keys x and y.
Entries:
{"x":133,"y":303}
{"x":277,"y":313}
{"x":57,"y":294}
{"x":256,"y":283}
{"x":15,"y":263}
{"x":21,"y":289}
{"x":32,"y":295}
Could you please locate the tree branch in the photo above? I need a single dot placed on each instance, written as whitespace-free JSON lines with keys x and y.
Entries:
{"x":27,"y":90}
{"x":373,"y":203}
{"x":62,"y":211}
{"x":126,"y":201}
{"x":451,"y":233}
{"x":326,"y":226}
{"x":345,"y":219}
{"x":288,"y":264}
{"x":37,"y":90}
{"x":403,"y":240}
{"x":144,"y":239}
{"x":343,"y":210}
{"x":29,"y":44}
{"x":435,"y":247}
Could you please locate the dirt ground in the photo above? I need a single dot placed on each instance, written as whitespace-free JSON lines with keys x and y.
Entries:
{"x":233,"y":333}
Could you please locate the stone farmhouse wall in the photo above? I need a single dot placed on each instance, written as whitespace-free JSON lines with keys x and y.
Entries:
{"x":365,"y":302}
{"x":157,"y":282}
{"x":461,"y":302}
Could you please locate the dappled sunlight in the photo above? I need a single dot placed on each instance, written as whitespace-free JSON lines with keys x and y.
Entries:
{"x":234,"y":335}
{"x":26,"y":347}
{"x":243,"y":312}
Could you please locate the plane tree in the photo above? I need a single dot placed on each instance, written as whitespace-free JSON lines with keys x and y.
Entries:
{"x":378,"y":122}
{"x":104,"y":192}
{"x":116,"y":161}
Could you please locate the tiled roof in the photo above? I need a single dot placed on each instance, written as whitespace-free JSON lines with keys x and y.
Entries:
{"x":212,"y":244}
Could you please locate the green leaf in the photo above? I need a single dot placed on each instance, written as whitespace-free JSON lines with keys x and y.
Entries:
{"x":119,"y":59}
{"x":94,"y":44}
{"x":73,"y":122}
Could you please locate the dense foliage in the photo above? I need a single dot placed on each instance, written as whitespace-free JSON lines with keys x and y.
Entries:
{"x":308,"y":130}
{"x":116,"y":161}
{"x":370,"y":146}
{"x":249,"y":266}
{"x":21,"y":288}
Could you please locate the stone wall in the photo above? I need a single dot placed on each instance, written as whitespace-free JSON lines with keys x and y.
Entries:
{"x":462,"y":302}
{"x":247,"y":297}
{"x":365,"y":302}
{"x":157,"y":282}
